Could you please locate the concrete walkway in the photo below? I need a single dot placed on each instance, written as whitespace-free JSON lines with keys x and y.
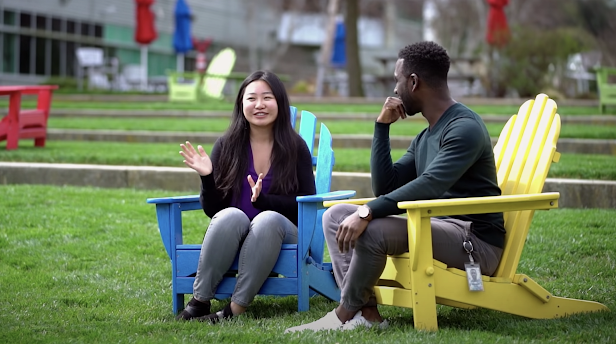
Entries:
{"x":179,"y":181}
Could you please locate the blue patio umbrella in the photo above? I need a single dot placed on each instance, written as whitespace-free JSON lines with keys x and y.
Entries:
{"x":182,"y":39}
{"x":339,"y":49}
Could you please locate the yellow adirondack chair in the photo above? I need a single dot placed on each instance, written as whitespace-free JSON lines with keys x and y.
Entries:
{"x":523,"y":154}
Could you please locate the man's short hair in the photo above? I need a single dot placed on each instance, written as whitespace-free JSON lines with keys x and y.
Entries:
{"x":428,"y":60}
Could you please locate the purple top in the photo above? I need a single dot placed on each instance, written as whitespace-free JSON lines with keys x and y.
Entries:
{"x":244,"y":203}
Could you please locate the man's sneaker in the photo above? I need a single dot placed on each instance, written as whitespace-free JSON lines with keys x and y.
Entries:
{"x":329,"y":322}
{"x":359,"y":320}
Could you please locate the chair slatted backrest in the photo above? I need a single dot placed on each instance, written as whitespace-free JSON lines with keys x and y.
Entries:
{"x":524,"y":152}
{"x":218,"y":70}
{"x":324,"y":162}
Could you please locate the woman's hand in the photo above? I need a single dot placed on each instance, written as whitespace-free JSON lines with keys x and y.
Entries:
{"x":256,"y":187}
{"x":198,"y":161}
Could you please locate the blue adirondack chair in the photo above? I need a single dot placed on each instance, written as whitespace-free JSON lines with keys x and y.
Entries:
{"x":300,"y":268}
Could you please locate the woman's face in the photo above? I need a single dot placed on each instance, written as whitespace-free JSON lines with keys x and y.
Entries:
{"x":259,"y":104}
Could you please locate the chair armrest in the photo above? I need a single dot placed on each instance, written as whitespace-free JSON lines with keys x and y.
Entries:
{"x":470,"y":205}
{"x":328,"y":196}
{"x":483,"y":205}
{"x":174,"y":199}
{"x":358,"y":201}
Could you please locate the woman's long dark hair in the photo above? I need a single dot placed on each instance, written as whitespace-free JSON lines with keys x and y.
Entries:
{"x":233,"y":162}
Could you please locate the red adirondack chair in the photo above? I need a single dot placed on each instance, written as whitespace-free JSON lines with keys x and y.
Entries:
{"x":28,"y":123}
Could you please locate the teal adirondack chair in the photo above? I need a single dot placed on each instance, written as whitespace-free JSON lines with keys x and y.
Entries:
{"x":301,"y":267}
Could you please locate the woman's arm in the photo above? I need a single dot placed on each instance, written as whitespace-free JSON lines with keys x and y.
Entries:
{"x":211,"y":197}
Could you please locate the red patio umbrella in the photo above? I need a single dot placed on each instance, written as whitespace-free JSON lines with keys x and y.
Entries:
{"x":497,"y":29}
{"x":145,"y":33}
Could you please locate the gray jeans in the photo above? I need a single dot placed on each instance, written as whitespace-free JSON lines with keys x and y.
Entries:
{"x":358,"y":271}
{"x":258,"y":243}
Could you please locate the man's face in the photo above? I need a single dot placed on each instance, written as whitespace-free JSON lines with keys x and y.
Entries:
{"x":403,"y":91}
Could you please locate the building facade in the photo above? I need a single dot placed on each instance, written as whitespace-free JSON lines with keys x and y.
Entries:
{"x":39,"y":38}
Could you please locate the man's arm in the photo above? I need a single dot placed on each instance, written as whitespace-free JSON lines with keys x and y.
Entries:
{"x":387,"y":176}
{"x":462,"y":145}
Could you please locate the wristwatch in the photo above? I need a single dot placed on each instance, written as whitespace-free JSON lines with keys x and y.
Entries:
{"x":364,"y":212}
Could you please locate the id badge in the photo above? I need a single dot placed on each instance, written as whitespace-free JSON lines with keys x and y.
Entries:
{"x":473,"y":275}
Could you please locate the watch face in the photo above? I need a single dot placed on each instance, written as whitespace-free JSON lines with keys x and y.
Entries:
{"x":363,"y":212}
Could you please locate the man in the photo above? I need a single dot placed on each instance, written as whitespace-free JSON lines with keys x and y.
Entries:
{"x":452,"y":158}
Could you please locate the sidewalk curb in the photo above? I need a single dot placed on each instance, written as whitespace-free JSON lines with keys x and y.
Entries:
{"x":574,"y":193}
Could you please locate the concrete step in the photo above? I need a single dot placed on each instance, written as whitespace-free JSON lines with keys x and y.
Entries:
{"x":574,"y":193}
{"x":112,"y":113}
{"x":312,"y":100}
{"x":577,"y":146}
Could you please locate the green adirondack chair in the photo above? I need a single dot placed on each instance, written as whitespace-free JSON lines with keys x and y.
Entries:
{"x":607,"y":89}
{"x":185,"y":87}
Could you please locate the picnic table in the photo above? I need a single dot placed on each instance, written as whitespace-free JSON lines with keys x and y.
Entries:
{"x":25,"y":123}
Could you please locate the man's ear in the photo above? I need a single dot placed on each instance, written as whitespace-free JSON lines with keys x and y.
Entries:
{"x":413,"y":80}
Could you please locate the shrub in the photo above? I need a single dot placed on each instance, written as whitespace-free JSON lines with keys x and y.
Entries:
{"x":533,"y":58}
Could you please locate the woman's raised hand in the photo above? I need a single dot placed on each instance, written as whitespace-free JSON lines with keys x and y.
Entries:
{"x":198,"y":161}
{"x":256,"y":187}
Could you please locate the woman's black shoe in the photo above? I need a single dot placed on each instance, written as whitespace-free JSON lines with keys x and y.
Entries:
{"x":194,"y":309}
{"x":213,"y":318}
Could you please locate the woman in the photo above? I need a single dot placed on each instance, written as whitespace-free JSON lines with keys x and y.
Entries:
{"x":248,"y":189}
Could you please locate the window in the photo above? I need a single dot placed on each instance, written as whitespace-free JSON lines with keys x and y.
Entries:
{"x":85,"y":29}
{"x":9,"y":18}
{"x":71,"y":26}
{"x":98,"y":31}
{"x":41,"y":23}
{"x":41,"y":56}
{"x":8,"y":53}
{"x":24,"y":54}
{"x":25,"y":20}
{"x":55,"y":57}
{"x":56,"y":25}
{"x":71,"y":50}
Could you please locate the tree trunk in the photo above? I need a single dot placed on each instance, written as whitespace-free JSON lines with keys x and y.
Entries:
{"x":353,"y":65}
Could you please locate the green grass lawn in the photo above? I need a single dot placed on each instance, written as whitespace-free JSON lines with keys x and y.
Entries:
{"x":402,"y":128}
{"x":86,"y":265}
{"x":316,"y":108}
{"x":583,"y":166}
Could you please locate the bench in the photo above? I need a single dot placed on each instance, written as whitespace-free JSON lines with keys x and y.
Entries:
{"x":25,"y":123}
{"x":606,"y":85}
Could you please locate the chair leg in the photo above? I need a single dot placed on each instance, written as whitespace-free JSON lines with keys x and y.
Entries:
{"x":178,"y":303}
{"x":39,"y":142}
{"x":303,"y":290}
{"x":422,"y":275}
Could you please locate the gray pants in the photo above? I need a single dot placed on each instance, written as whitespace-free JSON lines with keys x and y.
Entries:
{"x":258,"y":243}
{"x":358,"y":271}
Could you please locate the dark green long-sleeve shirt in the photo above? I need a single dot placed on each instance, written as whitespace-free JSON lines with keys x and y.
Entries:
{"x":454,"y":159}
